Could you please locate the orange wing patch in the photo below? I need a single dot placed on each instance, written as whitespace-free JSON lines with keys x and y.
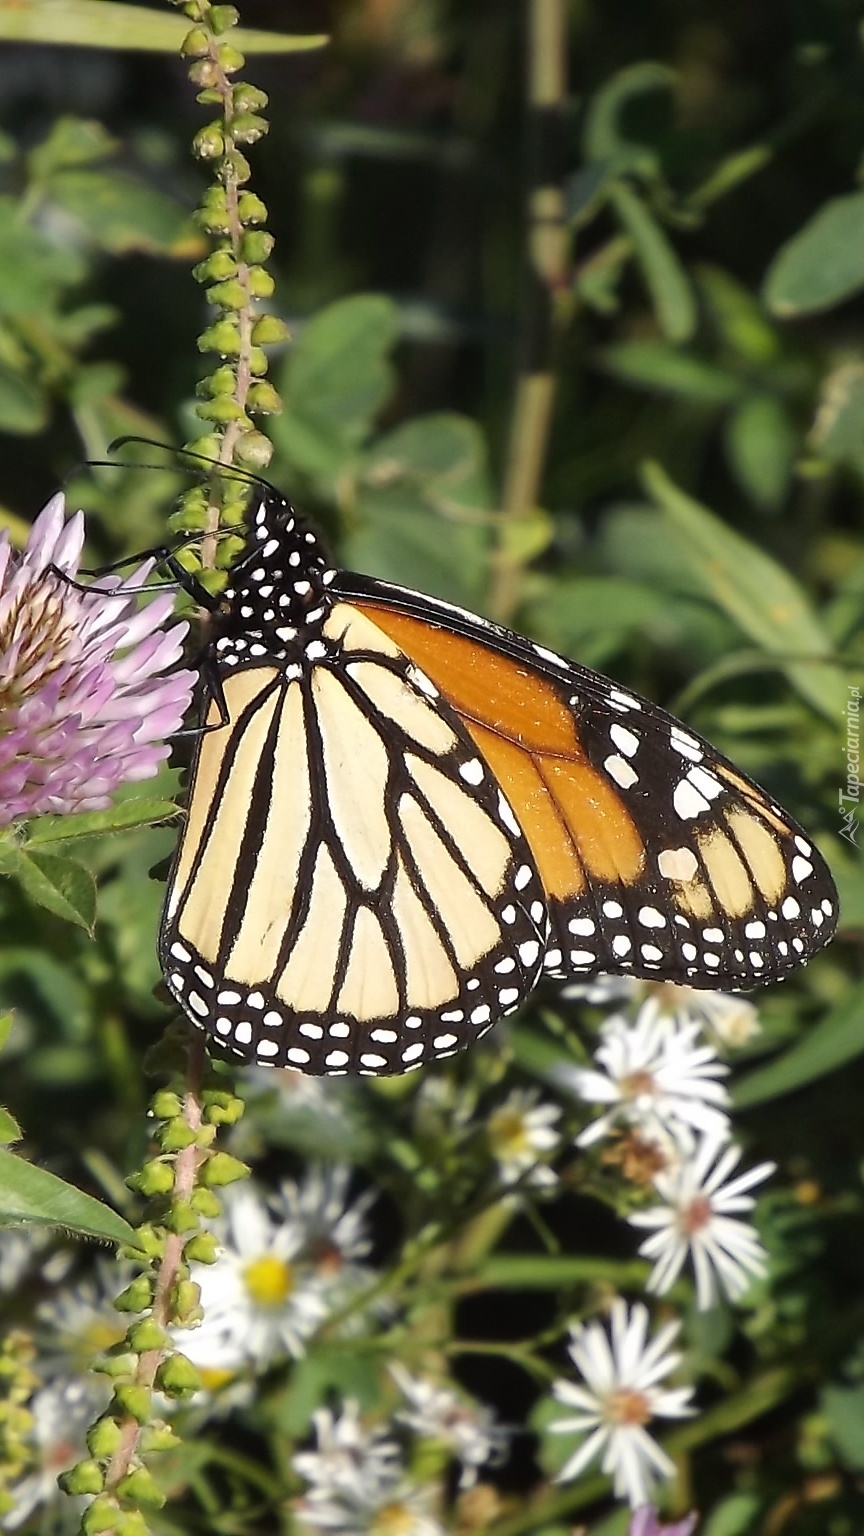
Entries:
{"x":575,"y":823}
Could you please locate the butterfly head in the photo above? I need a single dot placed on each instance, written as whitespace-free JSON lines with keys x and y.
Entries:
{"x":281,"y":576}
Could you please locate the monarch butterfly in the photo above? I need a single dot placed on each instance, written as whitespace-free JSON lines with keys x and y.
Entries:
{"x":401,"y":816}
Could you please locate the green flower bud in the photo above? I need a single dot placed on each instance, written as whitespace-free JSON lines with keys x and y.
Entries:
{"x":175,"y":1135}
{"x":139,"y":1487}
{"x":263,"y":400}
{"x":137,"y":1297}
{"x":235,"y":164}
{"x":209,"y":142}
{"x":229,"y":295}
{"x":213,"y":214}
{"x":115,"y":1364}
{"x":248,"y":98}
{"x":260,"y":282}
{"x":85,"y":1477}
{"x":218,"y":266}
{"x":221,"y":1168}
{"x":181,"y":1217}
{"x":102,"y":1515}
{"x":158,"y":1437}
{"x":103,"y":1437}
{"x":202,"y":1249}
{"x":205,"y":447}
{"x":203,"y":1201}
{"x":208,"y":74}
{"x":186,"y":1302}
{"x":154,"y":1179}
{"x":221,"y":410}
{"x":256,"y":245}
{"x":223,"y":337}
{"x":150,"y":1243}
{"x":254,"y":451}
{"x":222,"y":382}
{"x":248,"y":127}
{"x":196,"y":44}
{"x":250,"y":209}
{"x":147,"y":1334}
{"x":230,"y":59}
{"x":258,"y":363}
{"x":132,"y":1400}
{"x":223,"y":17}
{"x":166,"y":1104}
{"x":177,"y":1377}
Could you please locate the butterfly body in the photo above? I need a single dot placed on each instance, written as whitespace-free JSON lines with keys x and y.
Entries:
{"x":403,"y":815}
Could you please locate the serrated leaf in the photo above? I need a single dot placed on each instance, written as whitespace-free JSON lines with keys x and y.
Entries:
{"x":760,"y":597}
{"x":10,"y":1130}
{"x":665,"y":278}
{"x":119,"y":817}
{"x":31,"y":1195}
{"x":109,"y":24}
{"x":823,"y":264}
{"x":59,"y":884}
{"x":835,"y":1040}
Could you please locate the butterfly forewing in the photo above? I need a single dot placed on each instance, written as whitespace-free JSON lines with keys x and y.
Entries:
{"x":657,"y":856}
{"x":389,"y":909}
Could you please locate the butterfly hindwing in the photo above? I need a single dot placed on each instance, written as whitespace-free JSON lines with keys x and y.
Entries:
{"x":352,"y":891}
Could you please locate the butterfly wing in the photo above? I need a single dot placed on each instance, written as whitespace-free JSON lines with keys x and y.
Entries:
{"x":658,"y":857}
{"x":351,"y":891}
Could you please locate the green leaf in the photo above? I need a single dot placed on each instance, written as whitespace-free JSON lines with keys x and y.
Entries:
{"x":441,"y":450}
{"x":760,"y":597}
{"x":735,"y":1516}
{"x":62,"y":886}
{"x":843,"y":1408}
{"x":401,"y":539}
{"x":837,"y":1039}
{"x":107,"y":24}
{"x":121,"y":214}
{"x":656,"y":365}
{"x":32,"y":270}
{"x":32,"y":1196}
{"x":665,"y":277}
{"x":71,"y":141}
{"x":838,"y":431}
{"x":761,"y":444}
{"x":10,"y":1130}
{"x":823,"y":264}
{"x":24,"y":406}
{"x":117,"y":818}
{"x":6,"y":1022}
{"x":338,"y":375}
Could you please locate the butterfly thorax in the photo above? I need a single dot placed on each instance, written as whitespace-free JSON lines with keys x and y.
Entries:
{"x":276,"y":597}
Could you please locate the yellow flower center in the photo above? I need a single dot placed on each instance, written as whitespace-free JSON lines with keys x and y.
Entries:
{"x":214,"y":1377}
{"x":394,"y":1519}
{"x":635,"y":1084}
{"x":627,"y":1406}
{"x":269,"y":1280}
{"x":507,"y":1133}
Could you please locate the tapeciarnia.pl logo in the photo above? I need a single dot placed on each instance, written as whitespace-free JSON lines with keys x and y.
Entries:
{"x":849,"y":797}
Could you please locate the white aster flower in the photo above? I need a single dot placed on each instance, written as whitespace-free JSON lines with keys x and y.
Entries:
{"x":726,"y":1015}
{"x":699,"y":1220}
{"x":357,"y":1482}
{"x":334,"y":1237}
{"x":622,"y":1373}
{"x":467,"y":1429}
{"x":80,"y":1321}
{"x":521,"y":1135}
{"x":656,"y":1076}
{"x":258,"y":1304}
{"x":62,"y":1414}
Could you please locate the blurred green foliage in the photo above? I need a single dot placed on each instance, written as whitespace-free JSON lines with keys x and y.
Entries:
{"x":711,"y":330}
